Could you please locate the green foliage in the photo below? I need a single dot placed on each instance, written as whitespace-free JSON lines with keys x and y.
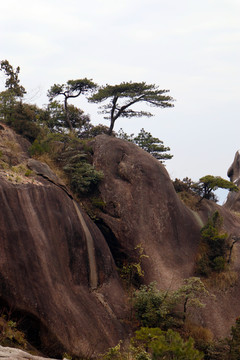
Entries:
{"x":215,"y":246}
{"x":219,"y":263}
{"x":73,"y":156}
{"x":152,"y":145}
{"x":7,"y":103}
{"x":113,"y":353}
{"x":123,"y":96}
{"x":152,"y":306}
{"x":12,"y":83}
{"x":24,"y":121}
{"x":190,"y":294}
{"x":166,"y":345}
{"x":209,"y":183}
{"x":131,"y":271}
{"x":183,"y":185}
{"x":147,"y":142}
{"x":234,"y":342}
{"x":83,"y":177}
{"x":10,"y":335}
{"x":156,"y":308}
{"x":72,"y":89}
{"x":56,"y":119}
{"x":205,"y":187}
{"x":94,"y":131}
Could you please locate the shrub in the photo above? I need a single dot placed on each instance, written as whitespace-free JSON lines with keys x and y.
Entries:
{"x":10,"y":335}
{"x":152,"y":306}
{"x":167,"y":345}
{"x":219,"y":263}
{"x":234,"y":342}
{"x":215,"y":245}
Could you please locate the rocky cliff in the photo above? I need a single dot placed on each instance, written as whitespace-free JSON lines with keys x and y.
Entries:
{"x":58,"y":269}
{"x":143,"y":208}
{"x":57,"y":273}
{"x":233,"y":200}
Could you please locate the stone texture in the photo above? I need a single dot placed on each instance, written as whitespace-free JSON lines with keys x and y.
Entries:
{"x":45,"y":268}
{"x":58,"y":273}
{"x":143,"y":208}
{"x":233,"y":199}
{"x":7,"y":353}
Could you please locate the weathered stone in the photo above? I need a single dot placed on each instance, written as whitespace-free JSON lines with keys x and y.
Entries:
{"x":233,"y":199}
{"x":57,"y":274}
{"x":7,"y":353}
{"x":142,"y":207}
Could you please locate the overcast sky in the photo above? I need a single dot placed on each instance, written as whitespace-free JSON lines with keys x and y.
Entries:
{"x":190,"y":47}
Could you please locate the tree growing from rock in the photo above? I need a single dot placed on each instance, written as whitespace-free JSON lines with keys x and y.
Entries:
{"x":209,"y":183}
{"x":147,"y":142}
{"x":14,"y":90}
{"x":156,"y":308}
{"x":12,"y":83}
{"x":191,"y":293}
{"x":205,"y":187}
{"x":152,"y":145}
{"x":72,"y":89}
{"x":123,"y":96}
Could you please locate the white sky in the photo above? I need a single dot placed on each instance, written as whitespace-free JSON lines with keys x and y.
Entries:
{"x":190,"y":47}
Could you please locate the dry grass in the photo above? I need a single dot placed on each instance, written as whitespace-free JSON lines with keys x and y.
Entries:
{"x":197,"y":332}
{"x":191,"y":201}
{"x":45,"y":158}
{"x":222,"y":281}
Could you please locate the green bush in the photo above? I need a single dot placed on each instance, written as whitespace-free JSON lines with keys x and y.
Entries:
{"x":38,"y":147}
{"x":83,"y":177}
{"x":215,"y":242}
{"x":152,"y":307}
{"x":219,"y":263}
{"x":166,"y":345}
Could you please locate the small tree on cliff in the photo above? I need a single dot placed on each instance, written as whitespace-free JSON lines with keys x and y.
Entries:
{"x":123,"y":96}
{"x":209,"y":183}
{"x":147,"y":142}
{"x":72,"y":89}
{"x":14,"y":90}
{"x":12,"y":83}
{"x":152,"y":145}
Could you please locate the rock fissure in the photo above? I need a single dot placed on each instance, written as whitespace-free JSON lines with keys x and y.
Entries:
{"x":93,"y":275}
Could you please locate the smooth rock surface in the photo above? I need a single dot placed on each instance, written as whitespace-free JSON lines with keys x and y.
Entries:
{"x":233,"y":199}
{"x":7,"y":353}
{"x":49,"y":249}
{"x":142,"y":207}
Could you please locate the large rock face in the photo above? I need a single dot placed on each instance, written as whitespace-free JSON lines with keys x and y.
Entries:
{"x":233,"y":199}
{"x":57,"y":274}
{"x":143,"y":208}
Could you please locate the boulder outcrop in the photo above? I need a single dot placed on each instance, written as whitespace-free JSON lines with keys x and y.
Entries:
{"x":233,"y":199}
{"x":57,"y":274}
{"x":142,"y":208}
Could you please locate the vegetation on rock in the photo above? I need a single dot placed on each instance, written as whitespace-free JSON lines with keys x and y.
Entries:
{"x":215,"y":246}
{"x":204,"y":188}
{"x":147,"y":142}
{"x":123,"y":96}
